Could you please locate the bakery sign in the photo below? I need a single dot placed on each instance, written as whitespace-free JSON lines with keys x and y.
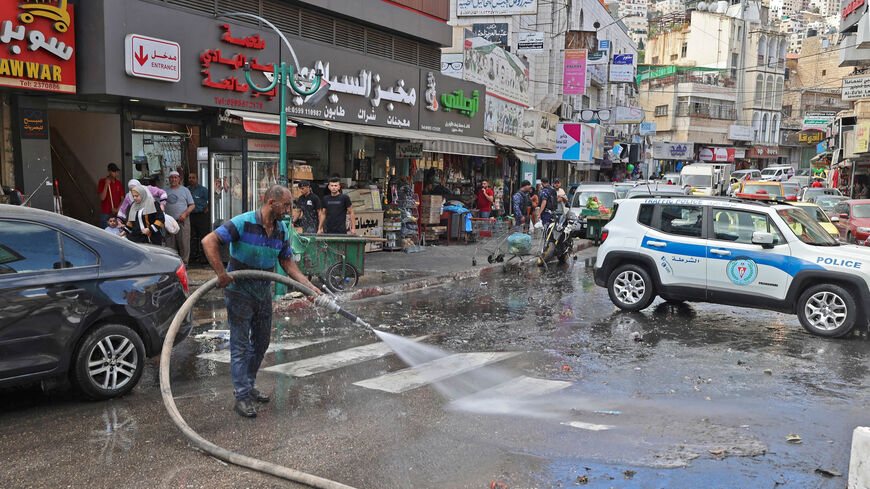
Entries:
{"x":709,"y":153}
{"x":40,"y":46}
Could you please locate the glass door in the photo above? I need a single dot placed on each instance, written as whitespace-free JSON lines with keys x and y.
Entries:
{"x":263,"y":172}
{"x":226,"y":178}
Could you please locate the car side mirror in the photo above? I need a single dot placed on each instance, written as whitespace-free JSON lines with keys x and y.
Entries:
{"x":843,"y":215}
{"x":835,"y":219}
{"x":763,"y":239}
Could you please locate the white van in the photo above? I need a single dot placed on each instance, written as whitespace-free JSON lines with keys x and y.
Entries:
{"x":777,"y":173}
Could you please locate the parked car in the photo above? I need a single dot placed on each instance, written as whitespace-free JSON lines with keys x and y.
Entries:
{"x":752,"y":254}
{"x":791,"y":189}
{"x":759,"y":190}
{"x":817,"y":213}
{"x":777,"y":173}
{"x":674,"y":178}
{"x":853,"y":220}
{"x":753,"y":174}
{"x":810,"y":194}
{"x":622,"y":188}
{"x":656,"y":190}
{"x":605,"y":192}
{"x":828,"y":203}
{"x":76,"y":300}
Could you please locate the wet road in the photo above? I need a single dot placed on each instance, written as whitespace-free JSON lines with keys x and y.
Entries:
{"x":706,"y":399}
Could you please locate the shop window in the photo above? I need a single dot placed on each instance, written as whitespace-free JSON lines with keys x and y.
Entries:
{"x":159,"y":148}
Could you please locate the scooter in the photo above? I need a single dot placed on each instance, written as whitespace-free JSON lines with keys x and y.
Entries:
{"x":559,"y":238}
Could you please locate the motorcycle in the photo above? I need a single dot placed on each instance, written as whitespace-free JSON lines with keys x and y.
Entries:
{"x":559,"y":238}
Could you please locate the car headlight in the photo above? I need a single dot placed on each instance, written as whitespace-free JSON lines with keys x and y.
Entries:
{"x":863,"y":230}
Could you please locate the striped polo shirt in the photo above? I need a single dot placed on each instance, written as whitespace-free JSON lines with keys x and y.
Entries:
{"x":252,"y":249}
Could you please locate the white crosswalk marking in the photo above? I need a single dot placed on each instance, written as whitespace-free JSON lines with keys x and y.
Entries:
{"x":524,"y":387}
{"x":223,"y":356}
{"x":331,"y":361}
{"x":587,"y":426}
{"x":434,"y":371}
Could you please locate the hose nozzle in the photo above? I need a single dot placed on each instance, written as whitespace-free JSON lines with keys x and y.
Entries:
{"x":328,"y":303}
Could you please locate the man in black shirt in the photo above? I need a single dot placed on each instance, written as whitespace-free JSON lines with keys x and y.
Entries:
{"x":336,"y":206}
{"x":309,"y":208}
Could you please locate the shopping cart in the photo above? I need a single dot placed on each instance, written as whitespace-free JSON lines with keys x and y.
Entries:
{"x":481,"y":227}
{"x":497,"y":249}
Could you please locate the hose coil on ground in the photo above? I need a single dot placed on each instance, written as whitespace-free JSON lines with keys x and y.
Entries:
{"x":193,"y":436}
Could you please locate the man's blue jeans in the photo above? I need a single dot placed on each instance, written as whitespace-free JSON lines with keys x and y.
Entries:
{"x":250,"y":330}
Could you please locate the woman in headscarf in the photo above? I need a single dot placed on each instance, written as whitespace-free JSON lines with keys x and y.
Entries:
{"x":145,"y":220}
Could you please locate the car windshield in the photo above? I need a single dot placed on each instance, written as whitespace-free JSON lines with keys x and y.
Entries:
{"x":806,"y":228}
{"x":697,"y":180}
{"x":762,"y":189}
{"x":861,"y":210}
{"x":816,"y":212}
{"x":769,"y":172}
{"x":828,"y":203}
{"x":605,"y":198}
{"x":791,"y":188}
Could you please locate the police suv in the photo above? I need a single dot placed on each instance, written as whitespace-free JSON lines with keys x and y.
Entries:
{"x":735,"y":252}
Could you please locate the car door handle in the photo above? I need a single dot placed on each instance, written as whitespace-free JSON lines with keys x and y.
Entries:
{"x":70,"y":293}
{"x":717,"y":251}
{"x":657,"y":244}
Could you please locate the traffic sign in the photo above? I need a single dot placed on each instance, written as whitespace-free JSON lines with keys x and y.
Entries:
{"x":156,"y":59}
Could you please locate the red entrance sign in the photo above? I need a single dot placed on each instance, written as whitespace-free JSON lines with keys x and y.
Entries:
{"x":762,"y":152}
{"x":716,"y":154}
{"x":40,"y":38}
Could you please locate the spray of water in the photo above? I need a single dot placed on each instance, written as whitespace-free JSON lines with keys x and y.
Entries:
{"x":494,"y":390}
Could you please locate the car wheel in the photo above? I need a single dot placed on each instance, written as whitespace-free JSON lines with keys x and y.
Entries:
{"x":827,"y":310}
{"x":850,"y":239}
{"x":109,"y":362}
{"x":630,"y":288}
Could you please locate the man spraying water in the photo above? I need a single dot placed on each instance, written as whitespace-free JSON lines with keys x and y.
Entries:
{"x":258,"y":240}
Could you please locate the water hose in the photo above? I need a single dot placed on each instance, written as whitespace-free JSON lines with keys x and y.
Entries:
{"x":208,"y":447}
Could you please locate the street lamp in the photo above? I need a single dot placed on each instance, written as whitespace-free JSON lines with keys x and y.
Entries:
{"x":283,"y":74}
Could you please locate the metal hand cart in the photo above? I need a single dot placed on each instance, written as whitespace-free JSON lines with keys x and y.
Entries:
{"x":337,"y":259}
{"x":496,"y":249}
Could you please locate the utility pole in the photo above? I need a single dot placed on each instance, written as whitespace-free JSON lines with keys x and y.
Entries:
{"x":742,"y":66}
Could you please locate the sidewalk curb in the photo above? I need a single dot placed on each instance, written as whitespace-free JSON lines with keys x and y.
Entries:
{"x":282,"y":305}
{"x":859,"y":460}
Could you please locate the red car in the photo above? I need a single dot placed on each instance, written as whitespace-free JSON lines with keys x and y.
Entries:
{"x":853,"y":220}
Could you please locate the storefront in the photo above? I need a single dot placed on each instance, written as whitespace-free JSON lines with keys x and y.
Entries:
{"x":670,"y":157}
{"x":182,"y":85}
{"x":762,"y":156}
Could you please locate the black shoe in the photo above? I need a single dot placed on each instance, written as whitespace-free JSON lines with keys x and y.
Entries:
{"x":245,"y":407}
{"x":259,"y":396}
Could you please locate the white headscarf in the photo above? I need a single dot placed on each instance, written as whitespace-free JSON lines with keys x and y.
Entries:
{"x":147,"y":202}
{"x":133,"y":183}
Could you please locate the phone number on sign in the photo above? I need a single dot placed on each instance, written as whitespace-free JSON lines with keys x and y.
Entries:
{"x":39,"y":85}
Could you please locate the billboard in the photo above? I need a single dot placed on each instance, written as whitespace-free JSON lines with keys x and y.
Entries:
{"x":622,"y":68}
{"x":503,"y":73}
{"x":575,"y":142}
{"x":574,"y":74}
{"x":495,"y":7}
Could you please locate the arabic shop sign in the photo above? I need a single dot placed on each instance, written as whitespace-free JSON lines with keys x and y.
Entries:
{"x":818,"y":120}
{"x":530,"y":42}
{"x":495,"y":33}
{"x":33,"y":123}
{"x":762,"y":152}
{"x":40,"y":46}
{"x":673,"y":151}
{"x":495,"y":7}
{"x":856,"y":87}
{"x":810,"y":137}
{"x":147,"y":57}
{"x":451,"y":106}
{"x":503,"y":73}
{"x":409,"y":150}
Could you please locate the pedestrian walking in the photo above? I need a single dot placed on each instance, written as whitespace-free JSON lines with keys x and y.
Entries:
{"x":157,"y":193}
{"x":308,"y":205}
{"x":535,"y":199}
{"x":522,"y":204}
{"x":146,"y":220}
{"x":548,"y":202}
{"x":865,"y":192}
{"x":336,"y":207}
{"x":179,"y":205}
{"x":258,"y":240}
{"x":111,"y":192}
{"x":199,"y":219}
{"x":112,"y":226}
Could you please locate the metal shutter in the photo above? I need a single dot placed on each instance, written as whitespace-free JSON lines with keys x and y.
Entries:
{"x":204,"y":6}
{"x":350,"y":36}
{"x":318,"y":27}
{"x":285,"y":18}
{"x":405,"y":50}
{"x":430,"y":57}
{"x":379,"y":44}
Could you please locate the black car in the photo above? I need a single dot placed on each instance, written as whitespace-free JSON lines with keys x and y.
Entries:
{"x":76,"y":300}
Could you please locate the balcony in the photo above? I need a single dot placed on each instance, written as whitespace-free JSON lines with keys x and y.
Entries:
{"x":706,"y":111}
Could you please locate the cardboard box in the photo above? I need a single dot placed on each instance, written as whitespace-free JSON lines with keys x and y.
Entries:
{"x":370,"y":224}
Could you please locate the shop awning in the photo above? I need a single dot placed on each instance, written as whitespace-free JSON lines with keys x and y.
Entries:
{"x":375,"y":131}
{"x":525,"y":157}
{"x":509,"y":141}
{"x":259,"y":123}
{"x":457,"y":145}
{"x":432,"y":142}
